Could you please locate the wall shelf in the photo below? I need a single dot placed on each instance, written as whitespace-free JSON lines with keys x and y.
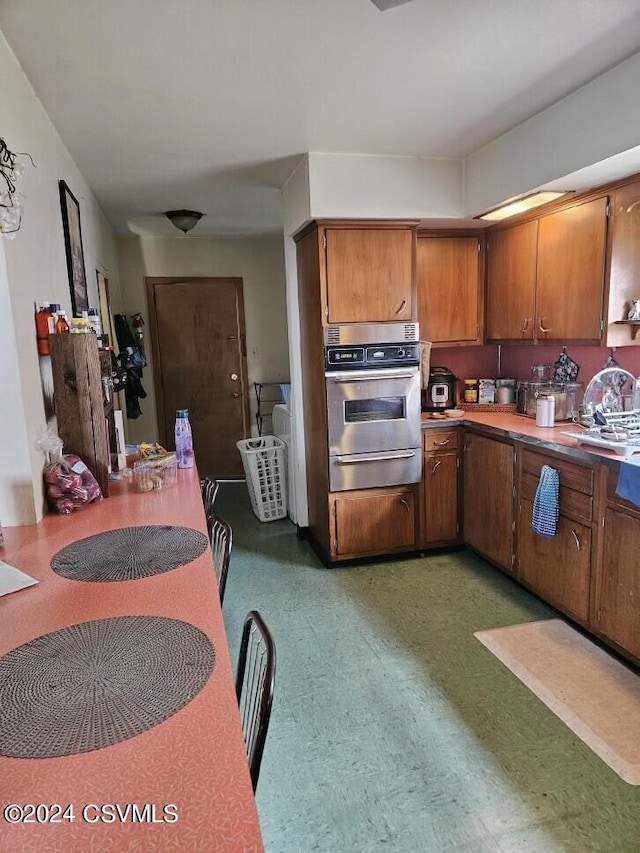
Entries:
{"x":635,"y":325}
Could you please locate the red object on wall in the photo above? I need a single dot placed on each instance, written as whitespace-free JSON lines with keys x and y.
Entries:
{"x":43,"y":316}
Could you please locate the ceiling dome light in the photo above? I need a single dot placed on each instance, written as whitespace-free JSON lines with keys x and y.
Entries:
{"x":185,"y":220}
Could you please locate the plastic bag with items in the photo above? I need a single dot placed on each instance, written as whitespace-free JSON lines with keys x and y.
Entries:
{"x":69,"y":484}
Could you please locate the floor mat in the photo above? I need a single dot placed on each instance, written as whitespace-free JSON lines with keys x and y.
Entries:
{"x":592,"y":692}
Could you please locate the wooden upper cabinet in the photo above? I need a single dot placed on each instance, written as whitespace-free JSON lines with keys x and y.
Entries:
{"x":625,"y":263}
{"x":570,"y":281}
{"x":511,"y":283}
{"x":370,"y":274}
{"x":449,"y":285}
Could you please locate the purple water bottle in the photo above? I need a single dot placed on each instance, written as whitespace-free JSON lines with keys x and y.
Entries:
{"x":184,"y":439}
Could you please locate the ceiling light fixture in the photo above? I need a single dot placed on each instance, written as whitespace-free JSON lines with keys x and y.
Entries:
{"x":185,"y":220}
{"x":383,"y":5}
{"x":520,"y":205}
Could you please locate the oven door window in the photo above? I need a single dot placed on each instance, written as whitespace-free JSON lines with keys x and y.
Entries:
{"x":375,"y":409}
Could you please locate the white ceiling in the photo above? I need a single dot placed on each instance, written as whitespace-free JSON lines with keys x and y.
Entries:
{"x":208,"y":104}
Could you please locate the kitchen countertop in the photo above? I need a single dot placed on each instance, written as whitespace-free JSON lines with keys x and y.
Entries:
{"x":521,"y":428}
{"x":195,"y":759}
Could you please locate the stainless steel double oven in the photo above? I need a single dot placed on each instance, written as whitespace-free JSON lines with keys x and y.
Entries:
{"x":373,"y":404}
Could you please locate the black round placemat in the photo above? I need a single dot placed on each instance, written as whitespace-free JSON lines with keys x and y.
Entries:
{"x":97,"y":683}
{"x":128,"y":553}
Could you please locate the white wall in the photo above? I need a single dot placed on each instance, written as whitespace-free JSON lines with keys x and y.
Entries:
{"x":258,"y":261}
{"x":598,"y":121}
{"x":36,"y":272}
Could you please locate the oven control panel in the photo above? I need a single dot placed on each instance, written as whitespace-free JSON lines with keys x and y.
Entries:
{"x":349,"y":357}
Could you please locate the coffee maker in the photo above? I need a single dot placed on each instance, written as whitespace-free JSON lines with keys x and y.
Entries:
{"x":440,"y":393}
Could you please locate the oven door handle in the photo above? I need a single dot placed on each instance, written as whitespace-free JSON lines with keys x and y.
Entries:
{"x":371,"y":377}
{"x":388,"y":457}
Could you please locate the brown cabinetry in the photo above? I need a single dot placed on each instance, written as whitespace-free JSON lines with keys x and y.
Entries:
{"x":545,"y":277}
{"x":369,"y":274}
{"x":449,"y":289}
{"x":616,"y":607}
{"x":624,"y":264}
{"x":511,"y":283}
{"x":440,"y":487}
{"x":488,"y":498}
{"x":372,"y":521}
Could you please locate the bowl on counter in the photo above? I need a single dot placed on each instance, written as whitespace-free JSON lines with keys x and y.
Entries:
{"x":454,"y":413}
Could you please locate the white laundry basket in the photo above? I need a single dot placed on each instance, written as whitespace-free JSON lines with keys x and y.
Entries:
{"x":263,"y":460}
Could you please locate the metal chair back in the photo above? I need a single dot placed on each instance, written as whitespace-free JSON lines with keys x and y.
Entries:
{"x":255,"y":681}
{"x":221,"y":539}
{"x":209,"y":488}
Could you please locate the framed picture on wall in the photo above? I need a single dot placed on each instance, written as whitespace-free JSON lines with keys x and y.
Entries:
{"x":73,"y":246}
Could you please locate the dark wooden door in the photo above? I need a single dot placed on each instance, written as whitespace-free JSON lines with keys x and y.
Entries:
{"x":441,"y":497}
{"x":557,"y":568}
{"x":369,"y":274}
{"x":570,"y":282}
{"x":488,"y":498}
{"x":199,"y":360}
{"x":511,"y":283}
{"x":448,"y":286}
{"x":617,"y":602}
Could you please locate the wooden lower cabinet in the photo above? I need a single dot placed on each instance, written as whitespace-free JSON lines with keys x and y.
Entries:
{"x":372,"y":521}
{"x":488,"y":498}
{"x":557,"y":568}
{"x":440,"y":492}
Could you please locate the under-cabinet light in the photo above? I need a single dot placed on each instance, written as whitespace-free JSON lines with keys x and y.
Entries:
{"x":520,"y":205}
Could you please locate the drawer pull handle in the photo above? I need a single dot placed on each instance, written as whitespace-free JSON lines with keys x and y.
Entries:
{"x":442,"y":443}
{"x":525,"y":325}
{"x":575,"y":536}
{"x":405,"y":504}
{"x":403,"y":305}
{"x":436,"y":466}
{"x":541,"y":327}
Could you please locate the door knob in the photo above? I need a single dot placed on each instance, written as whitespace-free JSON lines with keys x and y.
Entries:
{"x":235,"y":394}
{"x":234,"y":376}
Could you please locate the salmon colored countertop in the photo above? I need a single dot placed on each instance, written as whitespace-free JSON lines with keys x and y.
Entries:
{"x":522,"y":428}
{"x":194,"y":760}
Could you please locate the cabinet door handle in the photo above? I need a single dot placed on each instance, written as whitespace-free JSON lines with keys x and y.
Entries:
{"x":403,"y":305}
{"x":541,"y":327}
{"x":575,"y":536}
{"x":442,"y":443}
{"x":525,"y":325}
{"x":405,"y":504}
{"x":436,"y":466}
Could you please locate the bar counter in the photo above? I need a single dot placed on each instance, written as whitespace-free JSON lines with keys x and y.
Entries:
{"x":194,"y":760}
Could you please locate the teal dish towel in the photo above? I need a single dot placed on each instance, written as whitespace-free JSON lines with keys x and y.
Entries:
{"x":629,"y":481}
{"x":545,"y":503}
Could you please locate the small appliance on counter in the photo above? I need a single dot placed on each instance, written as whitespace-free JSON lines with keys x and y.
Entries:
{"x":440,"y":393}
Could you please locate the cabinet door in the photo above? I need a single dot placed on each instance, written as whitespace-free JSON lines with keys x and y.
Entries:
{"x":511,"y":282}
{"x":571,"y":253}
{"x":373,"y":522}
{"x":441,"y":497}
{"x":625,"y":263}
{"x":617,"y":605}
{"x":449,"y":289}
{"x":369,"y":274}
{"x":559,"y":568}
{"x":488,"y":498}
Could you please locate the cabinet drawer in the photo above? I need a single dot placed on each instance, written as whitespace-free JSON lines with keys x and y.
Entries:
{"x":572,"y":476}
{"x":440,"y":439}
{"x":571,"y":503}
{"x":613,"y":498}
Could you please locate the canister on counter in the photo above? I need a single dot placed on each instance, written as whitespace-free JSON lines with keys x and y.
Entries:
{"x":471,"y":390}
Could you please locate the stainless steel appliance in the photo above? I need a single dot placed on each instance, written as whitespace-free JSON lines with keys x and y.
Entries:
{"x":440,"y":392}
{"x":373,"y":404}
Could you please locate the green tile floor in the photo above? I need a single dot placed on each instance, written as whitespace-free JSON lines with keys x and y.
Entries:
{"x":393,"y":728}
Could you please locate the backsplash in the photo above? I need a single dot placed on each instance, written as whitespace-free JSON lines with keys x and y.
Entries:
{"x":516,"y":361}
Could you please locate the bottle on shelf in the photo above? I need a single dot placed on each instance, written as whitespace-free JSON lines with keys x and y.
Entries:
{"x":62,"y":325}
{"x":43,"y":326}
{"x":184,"y":439}
{"x":94,"y":318}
